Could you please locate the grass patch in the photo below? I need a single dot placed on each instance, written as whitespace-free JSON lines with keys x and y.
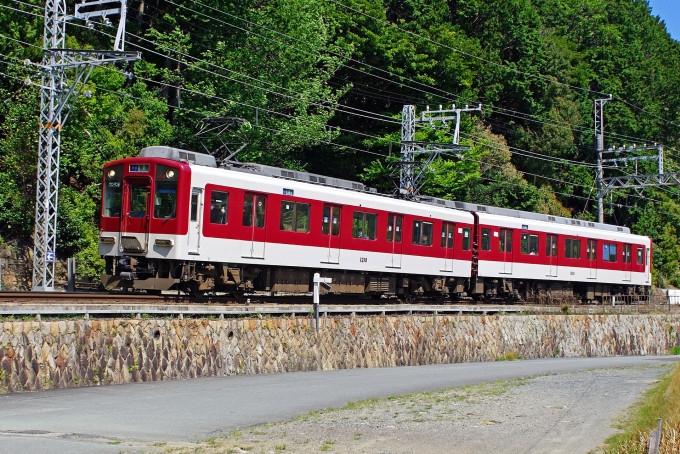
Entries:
{"x":509,"y":356}
{"x":662,"y":401}
{"x":675,"y":350}
{"x":327,"y":445}
{"x":115,"y":442}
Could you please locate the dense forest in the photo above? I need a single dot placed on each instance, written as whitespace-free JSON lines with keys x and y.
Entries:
{"x":321,"y":85}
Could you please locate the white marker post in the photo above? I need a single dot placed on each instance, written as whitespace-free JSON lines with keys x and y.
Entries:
{"x":319,"y":282}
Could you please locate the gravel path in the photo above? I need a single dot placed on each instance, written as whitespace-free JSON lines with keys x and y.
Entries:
{"x":564,"y":413}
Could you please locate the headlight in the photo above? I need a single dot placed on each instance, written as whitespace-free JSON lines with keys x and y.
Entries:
{"x":170,"y":173}
{"x":112,"y":173}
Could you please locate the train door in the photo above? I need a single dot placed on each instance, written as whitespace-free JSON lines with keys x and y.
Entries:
{"x":591,"y":256}
{"x":447,"y":245}
{"x":135,"y":214}
{"x":551,"y":253}
{"x":330,"y":226}
{"x":254,"y":210}
{"x":506,"y":250}
{"x":195,"y":215}
{"x":627,"y":262}
{"x":394,"y":229}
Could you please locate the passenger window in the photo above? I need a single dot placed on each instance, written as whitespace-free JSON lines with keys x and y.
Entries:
{"x":294,"y":217}
{"x":486,"y":239}
{"x":422,"y":233}
{"x":113,"y":192}
{"x":466,"y":239}
{"x":331,"y":220}
{"x":363,"y":225}
{"x":219,"y":202}
{"x":394,"y":228}
{"x":641,"y":255}
{"x":529,"y":244}
{"x":609,"y":252}
{"x":572,"y":248}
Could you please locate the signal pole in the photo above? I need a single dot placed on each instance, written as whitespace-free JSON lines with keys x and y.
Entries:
{"x":55,"y":108}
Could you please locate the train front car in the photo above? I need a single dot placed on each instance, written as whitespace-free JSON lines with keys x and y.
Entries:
{"x":144,"y":219}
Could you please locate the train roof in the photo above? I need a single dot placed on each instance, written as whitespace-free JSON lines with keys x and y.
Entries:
{"x":202,"y":159}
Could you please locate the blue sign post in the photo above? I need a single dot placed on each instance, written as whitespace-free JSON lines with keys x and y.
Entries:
{"x":49,"y":257}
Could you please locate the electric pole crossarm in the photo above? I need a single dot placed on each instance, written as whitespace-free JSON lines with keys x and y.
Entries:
{"x":642,"y":181}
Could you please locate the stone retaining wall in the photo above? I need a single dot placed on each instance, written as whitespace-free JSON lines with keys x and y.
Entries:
{"x":70,"y":353}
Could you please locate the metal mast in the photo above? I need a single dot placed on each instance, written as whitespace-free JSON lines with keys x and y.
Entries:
{"x":54,"y":111}
{"x":599,"y":146}
{"x":412,"y":172}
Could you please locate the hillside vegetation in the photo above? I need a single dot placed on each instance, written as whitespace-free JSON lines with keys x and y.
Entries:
{"x":321,"y":85}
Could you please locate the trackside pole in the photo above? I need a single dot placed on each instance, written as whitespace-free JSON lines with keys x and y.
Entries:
{"x":318,"y":282}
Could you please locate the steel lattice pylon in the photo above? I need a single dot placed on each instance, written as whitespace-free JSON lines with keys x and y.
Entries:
{"x":54,"y":110}
{"x":49,"y":147}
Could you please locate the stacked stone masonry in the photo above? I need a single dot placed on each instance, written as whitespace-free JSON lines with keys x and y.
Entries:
{"x":71,"y":353}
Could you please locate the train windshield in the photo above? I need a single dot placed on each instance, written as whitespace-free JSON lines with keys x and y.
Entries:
{"x":113,"y":191}
{"x":165,"y":198}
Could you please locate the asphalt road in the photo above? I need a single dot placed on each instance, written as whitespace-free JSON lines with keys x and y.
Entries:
{"x":91,"y":419}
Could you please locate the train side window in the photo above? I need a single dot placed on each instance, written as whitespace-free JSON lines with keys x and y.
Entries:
{"x":219,"y":202}
{"x":113,"y":191}
{"x":505,"y":241}
{"x":609,"y":252}
{"x":331,"y":217}
{"x":591,"y":250}
{"x":529,"y":244}
{"x":486,"y":239}
{"x":627,"y":257}
{"x":466,"y":239}
{"x":394,"y":228}
{"x":294,"y":216}
{"x":447,"y":235}
{"x":363,"y":225}
{"x":572,"y":249}
{"x":422,"y":233}
{"x":253,"y":206}
{"x":641,"y":255}
{"x":551,"y":245}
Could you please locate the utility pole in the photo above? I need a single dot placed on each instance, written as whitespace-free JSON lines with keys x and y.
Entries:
{"x":56,"y":90}
{"x":599,"y":146}
{"x":412,"y":172}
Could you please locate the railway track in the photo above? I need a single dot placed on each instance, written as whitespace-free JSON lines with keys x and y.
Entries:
{"x":127,"y":304}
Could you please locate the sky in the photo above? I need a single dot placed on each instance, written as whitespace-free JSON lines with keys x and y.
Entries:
{"x":669,"y":11}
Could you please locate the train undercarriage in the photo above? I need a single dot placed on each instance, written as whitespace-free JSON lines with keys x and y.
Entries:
{"x":199,"y":278}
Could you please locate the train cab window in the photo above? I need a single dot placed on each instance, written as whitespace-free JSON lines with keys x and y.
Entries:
{"x":641,"y":255}
{"x":572,"y":249}
{"x":466,"y":239}
{"x":363,"y":225}
{"x":422,"y":233}
{"x":330,"y":223}
{"x":219,"y":204}
{"x":529,"y":244}
{"x":113,"y":191}
{"x":551,"y":245}
{"x":609,"y":252}
{"x":139,"y":195}
{"x":253,"y":209}
{"x":294,"y":216}
{"x":486,"y":239}
{"x":394,"y":228}
{"x":627,"y":256}
{"x":165,"y":198}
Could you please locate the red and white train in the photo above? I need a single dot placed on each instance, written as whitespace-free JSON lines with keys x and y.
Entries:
{"x":172,"y":218}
